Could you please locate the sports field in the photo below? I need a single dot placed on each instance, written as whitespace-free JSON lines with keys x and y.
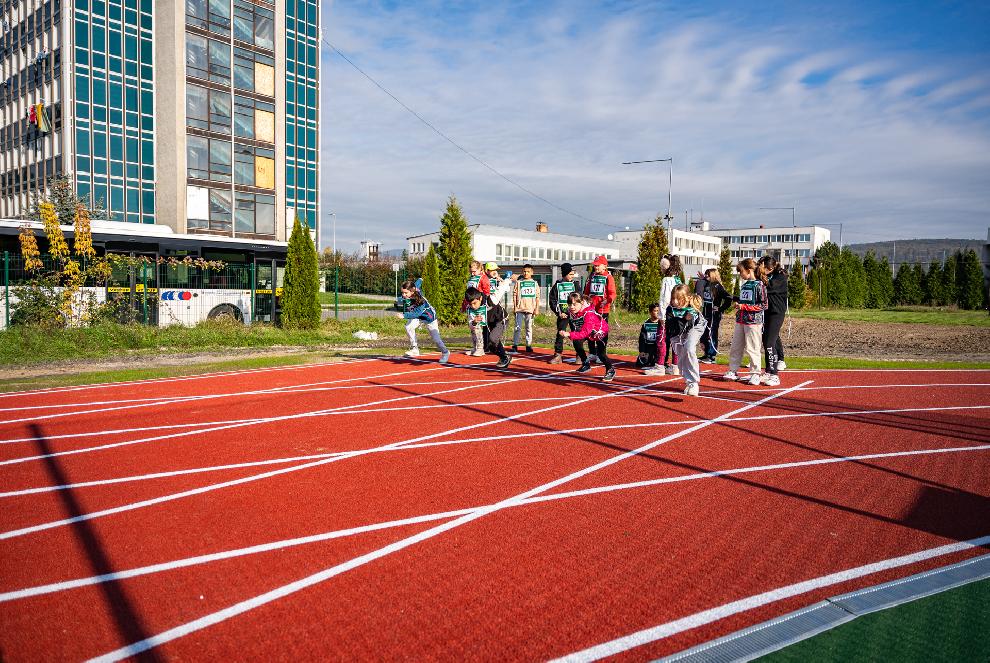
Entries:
{"x":388,"y":508}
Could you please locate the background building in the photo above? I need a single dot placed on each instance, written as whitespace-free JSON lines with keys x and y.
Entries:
{"x":785,"y":243}
{"x":201,"y":115}
{"x":698,"y":251}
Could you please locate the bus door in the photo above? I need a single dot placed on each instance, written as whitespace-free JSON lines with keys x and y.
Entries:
{"x":279,"y":282}
{"x":264,"y":290}
{"x":134,"y":287}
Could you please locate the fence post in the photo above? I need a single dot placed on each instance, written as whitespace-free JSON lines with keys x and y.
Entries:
{"x":252,"y":291}
{"x":6,"y":289}
{"x":144,"y":293}
{"x":336,"y":292}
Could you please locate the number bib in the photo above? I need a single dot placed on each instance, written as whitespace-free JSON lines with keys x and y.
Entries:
{"x":406,"y":305}
{"x":707,"y":296}
{"x":528,"y":289}
{"x":482,"y":311}
{"x":474,"y":282}
{"x":651,"y":330}
{"x":564,"y":290}
{"x":597,"y":287}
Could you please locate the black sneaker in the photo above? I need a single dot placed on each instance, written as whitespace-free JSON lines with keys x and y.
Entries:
{"x":515,"y":348}
{"x":609,"y":374}
{"x":585,"y":367}
{"x":529,"y":348}
{"x":503,"y":363}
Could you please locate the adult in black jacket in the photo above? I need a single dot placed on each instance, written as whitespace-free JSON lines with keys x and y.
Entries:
{"x":776,"y":278}
{"x":716,"y":300}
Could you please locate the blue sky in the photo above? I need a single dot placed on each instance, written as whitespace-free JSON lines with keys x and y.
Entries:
{"x":876,"y":115}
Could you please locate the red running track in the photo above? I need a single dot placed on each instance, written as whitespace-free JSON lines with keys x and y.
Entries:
{"x":391,"y":508}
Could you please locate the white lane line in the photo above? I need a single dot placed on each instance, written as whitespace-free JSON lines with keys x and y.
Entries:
{"x":410,"y":447}
{"x":850,"y":386}
{"x":656,"y":633}
{"x":321,"y":576}
{"x":247,"y":422}
{"x":184,"y":378}
{"x":235,"y":482}
{"x":336,"y":534}
{"x":172,"y":400}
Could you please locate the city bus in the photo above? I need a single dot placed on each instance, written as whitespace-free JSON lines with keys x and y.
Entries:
{"x":160,"y":285}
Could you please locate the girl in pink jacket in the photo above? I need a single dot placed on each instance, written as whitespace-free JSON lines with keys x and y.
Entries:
{"x":586,"y":323}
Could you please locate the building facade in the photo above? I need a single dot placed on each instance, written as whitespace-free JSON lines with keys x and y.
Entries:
{"x":201,"y":115}
{"x":698,"y":251}
{"x":517,"y":246}
{"x":785,"y":243}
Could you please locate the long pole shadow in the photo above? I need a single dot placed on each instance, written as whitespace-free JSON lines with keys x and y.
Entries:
{"x":127,"y":619}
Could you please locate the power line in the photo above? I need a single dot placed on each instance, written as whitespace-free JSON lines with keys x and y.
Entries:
{"x":455,"y":144}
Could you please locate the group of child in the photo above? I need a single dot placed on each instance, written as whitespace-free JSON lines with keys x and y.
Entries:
{"x":677,"y":324}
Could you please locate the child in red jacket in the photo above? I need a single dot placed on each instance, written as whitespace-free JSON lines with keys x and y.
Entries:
{"x":587,"y":323}
{"x":600,"y":288}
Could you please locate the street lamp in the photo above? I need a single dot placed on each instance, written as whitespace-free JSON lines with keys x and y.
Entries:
{"x":333,"y":219}
{"x":670,"y":182}
{"x":793,"y":229}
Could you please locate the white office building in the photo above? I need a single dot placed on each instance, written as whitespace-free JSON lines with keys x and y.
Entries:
{"x":514,"y":246}
{"x":785,"y":243}
{"x":698,"y":251}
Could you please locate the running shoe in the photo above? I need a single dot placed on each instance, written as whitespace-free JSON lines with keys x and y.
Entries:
{"x":772,"y":381}
{"x":585,"y":367}
{"x":781,"y":365}
{"x":691,"y":389}
{"x":609,"y":374}
{"x":412,"y":352}
{"x":654,"y":370}
{"x":503,"y":363}
{"x":445,"y":356}
{"x":754,"y":379}
{"x":730,"y":375}
{"x":529,"y":348}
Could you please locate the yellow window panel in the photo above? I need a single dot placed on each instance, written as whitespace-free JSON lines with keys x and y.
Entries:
{"x":264,"y":172}
{"x":264,"y":126}
{"x":264,"y":79}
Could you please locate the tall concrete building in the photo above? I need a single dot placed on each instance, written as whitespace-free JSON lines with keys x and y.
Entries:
{"x":201,"y":115}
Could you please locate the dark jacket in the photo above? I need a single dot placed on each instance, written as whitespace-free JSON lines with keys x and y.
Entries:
{"x":715,"y":298}
{"x":777,"y":293}
{"x":554,"y":295}
{"x":680,"y":320}
{"x":752,"y":302}
{"x":645,"y":342}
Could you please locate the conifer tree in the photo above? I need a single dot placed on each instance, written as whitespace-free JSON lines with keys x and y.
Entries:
{"x":300,"y":301}
{"x":947,"y":296}
{"x":871,"y":269}
{"x":453,"y":262}
{"x":827,"y":262}
{"x":431,"y":276}
{"x":646,"y":280}
{"x":919,"y":279}
{"x":972,"y":294}
{"x":795,"y":286}
{"x":884,"y":284}
{"x":725,"y":268}
{"x":907,"y":289}
{"x":854,"y":279}
{"x":933,"y":282}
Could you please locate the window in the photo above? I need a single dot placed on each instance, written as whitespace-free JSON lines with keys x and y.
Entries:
{"x":254,"y":166}
{"x":254,"y":25}
{"x":198,"y":157}
{"x":254,"y":119}
{"x":254,"y":72}
{"x":221,"y":206}
{"x":254,"y":213}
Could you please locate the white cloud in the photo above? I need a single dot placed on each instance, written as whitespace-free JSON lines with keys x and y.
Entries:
{"x":559,"y":100}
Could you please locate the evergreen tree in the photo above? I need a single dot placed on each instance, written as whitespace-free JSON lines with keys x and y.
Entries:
{"x":725,"y":268}
{"x":907,"y":289}
{"x":933,"y":283}
{"x":854,"y":279}
{"x":795,"y":286}
{"x":947,"y":296}
{"x":431,"y":276}
{"x":453,"y":262}
{"x":872,"y":270}
{"x":919,"y":279}
{"x":972,"y":295}
{"x":959,"y":270}
{"x":884,"y":284}
{"x":300,"y":301}
{"x":827,"y":262}
{"x":646,"y":280}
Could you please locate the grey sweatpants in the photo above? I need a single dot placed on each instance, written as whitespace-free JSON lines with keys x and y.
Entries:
{"x":686,"y":349}
{"x":524,"y":324}
{"x":434,"y":328}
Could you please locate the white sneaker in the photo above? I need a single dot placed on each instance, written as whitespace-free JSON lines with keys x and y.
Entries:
{"x":478,"y":353}
{"x":653,"y":370}
{"x":730,"y":375}
{"x":754,"y":379}
{"x":444,"y":356}
{"x":691,"y":389}
{"x":772,"y":381}
{"x":412,"y":352}
{"x":572,"y":360}
{"x":781,"y":365}
{"x":675,"y":370}
{"x":764,"y":377}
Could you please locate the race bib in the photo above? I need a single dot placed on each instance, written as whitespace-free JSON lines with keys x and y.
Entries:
{"x":528,"y":289}
{"x":651,"y":330}
{"x":597,"y":287}
{"x":706,"y":295}
{"x":406,"y":305}
{"x":474,"y":282}
{"x":482,"y":311}
{"x":564,"y":290}
{"x":746,"y":295}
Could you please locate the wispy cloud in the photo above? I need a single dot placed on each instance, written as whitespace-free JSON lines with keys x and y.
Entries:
{"x":556,"y":97}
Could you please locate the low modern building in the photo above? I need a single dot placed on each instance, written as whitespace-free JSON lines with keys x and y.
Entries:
{"x":515,"y":246}
{"x":698,"y":251}
{"x":785,"y":243}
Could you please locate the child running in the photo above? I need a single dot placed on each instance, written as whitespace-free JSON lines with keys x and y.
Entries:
{"x":752,"y":302}
{"x":526,"y":300}
{"x":648,"y":335}
{"x":587,"y":323}
{"x":686,"y":325}
{"x":600,"y":289}
{"x":557,"y":300}
{"x":478,"y":280}
{"x":488,"y":312}
{"x":419,"y":311}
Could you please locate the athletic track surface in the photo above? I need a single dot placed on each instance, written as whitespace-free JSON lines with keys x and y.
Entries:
{"x":396,"y":509}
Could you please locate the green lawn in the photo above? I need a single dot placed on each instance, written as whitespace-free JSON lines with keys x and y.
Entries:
{"x":915,"y":315}
{"x":950,"y":626}
{"x":326,"y":299}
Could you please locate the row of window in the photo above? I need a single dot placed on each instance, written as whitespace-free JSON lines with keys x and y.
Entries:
{"x":31,"y":77}
{"x":26,"y":178}
{"x":223,"y":210}
{"x":211,"y":110}
{"x":252,"y":24}
{"x":514,"y":252}
{"x":695,"y":245}
{"x":766,"y":239}
{"x":786,"y":253}
{"x":23,"y":33}
{"x":220,"y":160}
{"x":210,"y":59}
{"x":22,"y":131}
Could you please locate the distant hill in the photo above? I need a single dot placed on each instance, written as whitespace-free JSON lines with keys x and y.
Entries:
{"x":922,"y":251}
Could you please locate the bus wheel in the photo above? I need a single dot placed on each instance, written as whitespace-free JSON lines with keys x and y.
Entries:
{"x":226,"y":312}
